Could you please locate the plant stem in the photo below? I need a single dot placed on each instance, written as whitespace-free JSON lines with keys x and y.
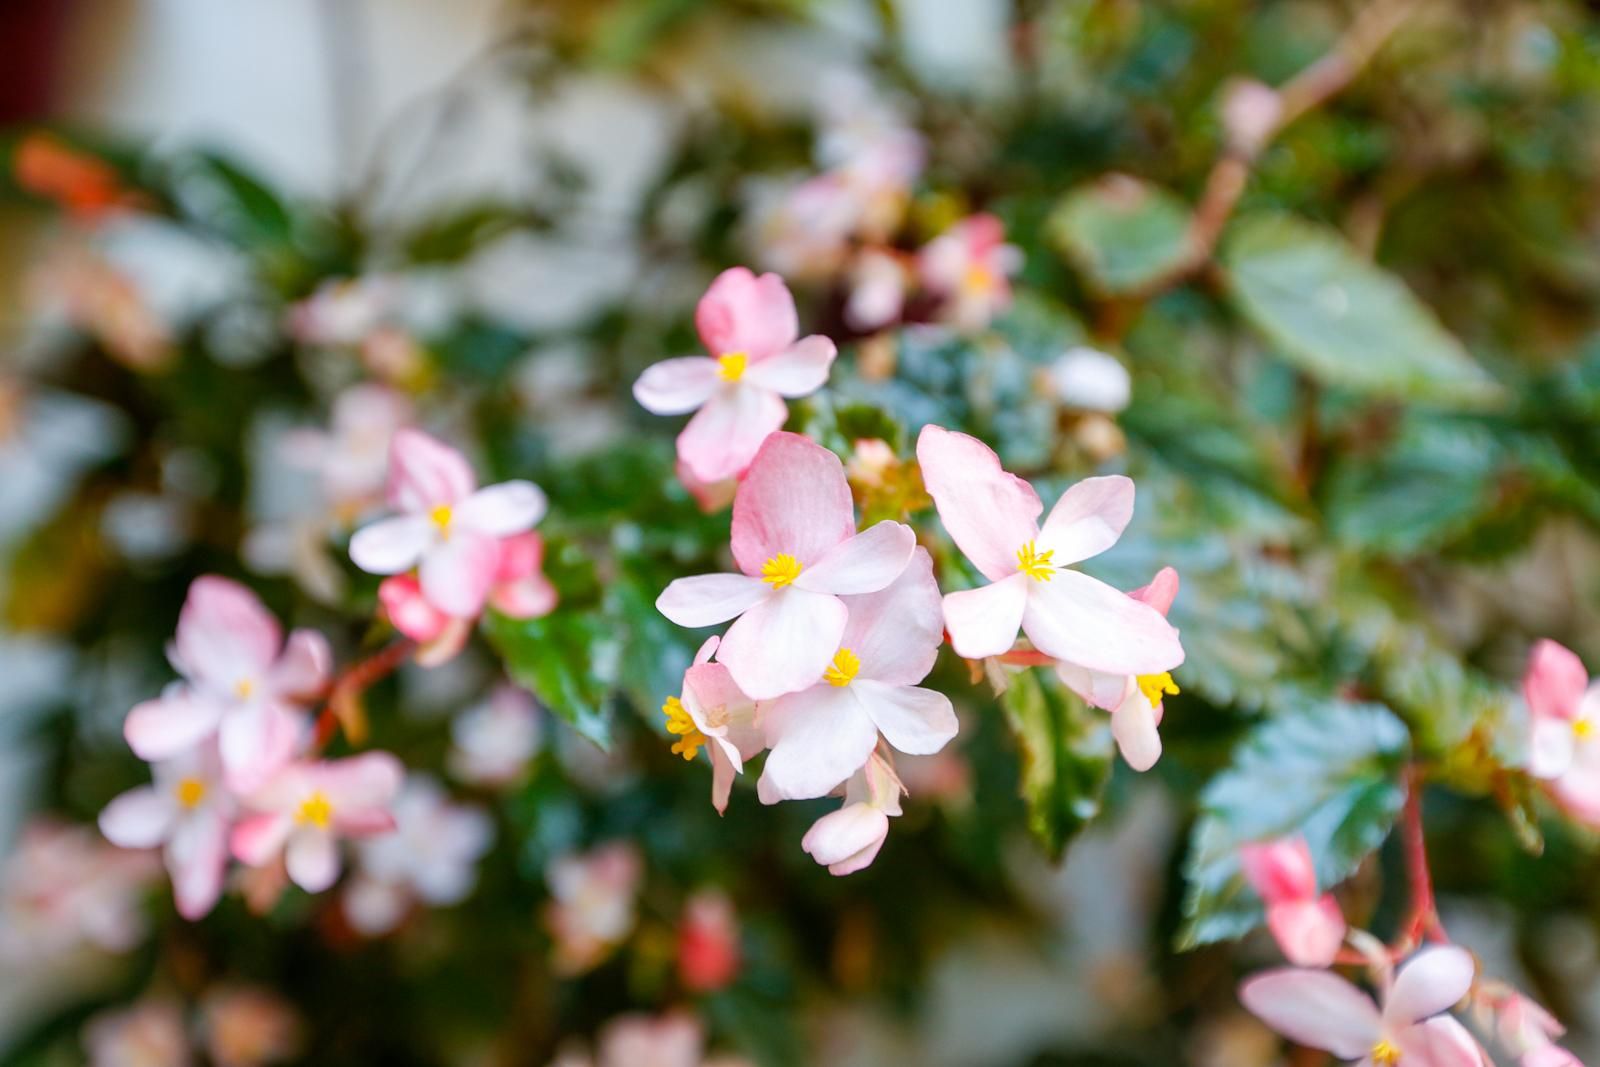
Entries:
{"x":343,"y":705}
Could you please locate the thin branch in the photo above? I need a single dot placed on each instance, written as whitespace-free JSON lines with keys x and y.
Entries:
{"x":343,"y":708}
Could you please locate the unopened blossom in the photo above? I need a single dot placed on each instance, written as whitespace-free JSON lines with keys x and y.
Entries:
{"x":1319,"y":1009}
{"x":848,"y":840}
{"x":247,"y":1026}
{"x":715,"y":714}
{"x":448,"y":528}
{"x":750,"y":327}
{"x":151,"y":1033}
{"x":970,"y":266}
{"x":592,"y":906}
{"x":308,"y":808}
{"x":439,"y":637}
{"x":993,"y":518}
{"x":708,"y":943}
{"x":187,"y":812}
{"x":1564,"y":708}
{"x":1135,"y":701}
{"x":431,"y":858}
{"x":795,"y":542}
{"x":1308,"y":926}
{"x":823,"y":734}
{"x":243,"y":684}
{"x":62,"y":887}
{"x":493,"y":742}
{"x":1086,"y":379}
{"x":351,"y":457}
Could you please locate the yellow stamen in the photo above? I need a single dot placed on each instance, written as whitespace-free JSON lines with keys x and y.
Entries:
{"x":1154,"y":686}
{"x":846,"y":665}
{"x":731,"y":365}
{"x":1385,"y":1053}
{"x":191,"y":791}
{"x":1582,"y":729}
{"x":978,"y":278}
{"x":780,"y":570}
{"x":682,"y":726}
{"x":441,"y":518}
{"x":243,"y":688}
{"x":1035,"y":564}
{"x":315,"y":810}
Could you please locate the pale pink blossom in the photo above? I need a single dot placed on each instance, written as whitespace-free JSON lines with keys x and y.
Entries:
{"x":708,"y":942}
{"x":795,"y":540}
{"x":62,"y":888}
{"x":641,"y":1041}
{"x":243,"y":684}
{"x":1526,"y":1029}
{"x":187,"y":811}
{"x":823,"y":734}
{"x":342,"y":312}
{"x":246,"y":1026}
{"x":870,"y":460}
{"x":877,"y":290}
{"x":439,"y":637}
{"x":494,"y":741}
{"x":714,"y":712}
{"x":711,"y":497}
{"x":307,"y":808}
{"x":520,"y":589}
{"x":750,"y":327}
{"x":1308,"y":926}
{"x":848,"y":840}
{"x":1318,"y":1009}
{"x":1564,"y":707}
{"x":592,"y":906}
{"x":993,"y":518}
{"x":448,"y":528}
{"x":969,"y":267}
{"x":1549,"y":1056}
{"x":150,"y":1033}
{"x":351,"y":457}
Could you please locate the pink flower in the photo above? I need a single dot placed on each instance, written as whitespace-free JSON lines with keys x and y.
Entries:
{"x":244,"y":1026}
{"x":1549,"y":1056}
{"x":708,"y":943}
{"x":351,"y":458}
{"x":148,"y":1034}
{"x":307,"y":808}
{"x":1308,"y":928}
{"x":969,"y":266}
{"x":242,"y":684}
{"x":749,"y":326}
{"x":993,"y":518}
{"x":710,"y":497}
{"x":592,"y":906}
{"x":795,"y":541}
{"x":62,"y":887}
{"x":449,"y":528}
{"x":640,"y":1041}
{"x":189,"y":811}
{"x":1564,"y":706}
{"x":714,"y":712}
{"x":1524,"y":1027}
{"x":848,"y":840}
{"x":520,"y":589}
{"x":342,"y":311}
{"x":877,"y":290}
{"x":439,"y":637}
{"x":822,"y":735}
{"x":495,"y":740}
{"x":1320,"y":1010}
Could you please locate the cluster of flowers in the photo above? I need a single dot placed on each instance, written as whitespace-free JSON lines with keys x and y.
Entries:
{"x":233,"y":1026}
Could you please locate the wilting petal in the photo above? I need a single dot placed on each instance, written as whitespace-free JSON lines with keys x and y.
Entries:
{"x":722,"y":439}
{"x":1133,"y":724}
{"x":784,"y":643}
{"x":795,"y":500}
{"x":139,"y":818}
{"x":1316,"y":1009}
{"x":256,"y":742}
{"x":502,"y":510}
{"x":918,"y":722}
{"x":1280,"y":870}
{"x":312,"y":858}
{"x":819,"y":737}
{"x":989,"y":513}
{"x":305,"y":666}
{"x":1555,"y":681}
{"x":864,"y":563}
{"x":257,"y":840}
{"x":1431,"y":982}
{"x":676,"y":386}
{"x":1309,"y":932}
{"x":162,"y":728}
{"x":225,"y":633}
{"x":197,"y":859}
{"x":1082,"y":620}
{"x":391,"y":546}
{"x":1088,"y":519}
{"x":847,"y":840}
{"x":1441,"y":1042}
{"x":799,"y":370}
{"x":1161,"y":592}
{"x":984,"y":621}
{"x":424,"y":473}
{"x":743,"y":313}
{"x":1551,"y":745}
{"x":456,"y":573}
{"x":897,"y":630}
{"x":709,"y":599}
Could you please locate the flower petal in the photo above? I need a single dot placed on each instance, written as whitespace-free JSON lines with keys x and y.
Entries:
{"x":257,"y":840}
{"x":847,"y":840}
{"x":457,"y":573}
{"x":1433,"y":981}
{"x":139,"y":818}
{"x":1280,"y":871}
{"x":1088,"y":519}
{"x":1314,"y":1008}
{"x":171,"y":724}
{"x":1082,"y":620}
{"x":709,"y":599}
{"x":197,"y":859}
{"x":1551,"y":746}
{"x":819,"y":737}
{"x":795,"y":500}
{"x":676,"y":386}
{"x":1441,"y":1042}
{"x":391,"y":546}
{"x":989,"y":513}
{"x":897,"y":631}
{"x":743,"y":313}
{"x":722,"y":439}
{"x":1133,"y":724}
{"x":917,"y":721}
{"x":1161,"y":592}
{"x":984,"y":621}
{"x":783,"y":643}
{"x":1097,"y":688}
{"x":370,"y":780}
{"x":865,"y":563}
{"x":312,"y":859}
{"x":1309,"y":932}
{"x":224,"y":633}
{"x":1555,"y":681}
{"x":502,"y":510}
{"x":798,"y":370}
{"x":256,"y":742}
{"x":424,"y":473}
{"x":305,"y":666}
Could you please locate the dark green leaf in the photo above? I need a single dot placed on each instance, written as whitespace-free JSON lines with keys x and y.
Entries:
{"x":1122,"y":233}
{"x":567,"y":659}
{"x":1066,"y":756}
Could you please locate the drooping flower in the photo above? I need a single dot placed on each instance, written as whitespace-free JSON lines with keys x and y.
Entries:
{"x":494,"y":741}
{"x":1563,"y":705}
{"x":708,"y":942}
{"x":448,"y":528}
{"x":150,"y":1033}
{"x":351,"y":457}
{"x":993,"y":518}
{"x":188,"y":811}
{"x":795,"y":541}
{"x":969,"y":266}
{"x":848,"y":840}
{"x":750,"y":327}
{"x":242,"y":684}
{"x":823,"y":734}
{"x":1308,"y":927}
{"x":714,"y":713}
{"x":62,"y":887}
{"x":305,"y":810}
{"x":247,"y":1026}
{"x":1320,"y":1010}
{"x":592,"y":906}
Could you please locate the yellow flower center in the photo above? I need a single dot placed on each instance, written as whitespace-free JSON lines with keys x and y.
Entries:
{"x":1035,"y":564}
{"x":846,"y":665}
{"x":680,"y":725}
{"x":243,"y":688}
{"x":731,"y":365}
{"x":977,"y":279}
{"x":1582,"y":729}
{"x":441,"y":518}
{"x":780,"y":570}
{"x":1154,"y":686}
{"x":191,"y":791}
{"x":315,"y":810}
{"x":1386,"y":1053}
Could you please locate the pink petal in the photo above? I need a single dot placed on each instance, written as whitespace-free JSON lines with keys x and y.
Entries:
{"x":257,"y":742}
{"x":446,"y":644}
{"x":722,"y":439}
{"x":370,"y":780}
{"x":676,"y":386}
{"x":1555,"y":681}
{"x":1082,"y":620}
{"x":722,"y":774}
{"x":257,"y":840}
{"x":424,"y":473}
{"x":795,"y":500}
{"x":392,"y":546}
{"x":312,"y":858}
{"x":918,"y":722}
{"x":1551,"y":746}
{"x":527,"y":598}
{"x":744,"y":313}
{"x":501,"y":510}
{"x":984,"y":621}
{"x":784,"y":643}
{"x":1441,"y":1042}
{"x":305,"y":666}
{"x":1161,"y":592}
{"x":457,"y":572}
{"x":1133,"y":724}
{"x":1097,"y":688}
{"x":865,"y":563}
{"x":197,"y":859}
{"x":707,"y":649}
{"x":847,"y":840}
{"x":1434,"y":980}
{"x":897,"y":630}
{"x":225,"y":632}
{"x":709,"y":688}
{"x":988,"y":513}
{"x":799,"y":370}
{"x":819,"y":738}
{"x":169,"y":725}
{"x":1316,"y":1009}
{"x":1309,"y":932}
{"x":408,"y":610}
{"x":709,"y":599}
{"x":139,"y":818}
{"x":1549,"y":1056}
{"x":1280,"y":870}
{"x":1088,"y":519}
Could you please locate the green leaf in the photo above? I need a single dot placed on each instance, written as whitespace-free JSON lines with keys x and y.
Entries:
{"x":567,"y":659}
{"x":1329,"y":771}
{"x":1343,"y":321}
{"x":1122,"y":233}
{"x":1066,"y":756}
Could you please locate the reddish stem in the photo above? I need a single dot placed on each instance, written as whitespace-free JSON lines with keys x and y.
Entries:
{"x":356,"y":679}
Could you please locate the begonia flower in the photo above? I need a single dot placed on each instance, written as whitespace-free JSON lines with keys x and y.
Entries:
{"x":848,"y":840}
{"x":969,"y":266}
{"x":1308,"y":926}
{"x":714,"y":713}
{"x":1564,"y":707}
{"x":593,"y":899}
{"x":493,"y":742}
{"x":439,"y":637}
{"x":750,"y":327}
{"x":62,"y":887}
{"x":351,"y":457}
{"x":708,"y":943}
{"x":247,"y":1026}
{"x":877,"y":290}
{"x":150,"y":1033}
{"x":794,"y":539}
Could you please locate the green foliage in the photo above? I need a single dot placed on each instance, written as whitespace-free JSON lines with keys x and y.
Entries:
{"x":1066,"y":756}
{"x":1122,"y":233}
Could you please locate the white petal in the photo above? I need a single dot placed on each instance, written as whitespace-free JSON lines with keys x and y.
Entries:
{"x":819,"y":738}
{"x":917,"y":721}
